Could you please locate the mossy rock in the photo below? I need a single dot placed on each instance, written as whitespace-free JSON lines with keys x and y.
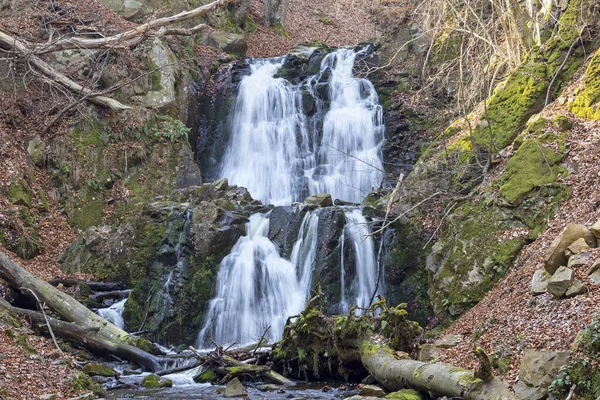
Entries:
{"x":533,"y":165}
{"x":404,"y":394}
{"x":562,"y":123}
{"x":155,"y":381}
{"x":586,"y":103}
{"x":80,"y":382}
{"x":19,"y":193}
{"x":207,"y":376}
{"x":97,"y":369}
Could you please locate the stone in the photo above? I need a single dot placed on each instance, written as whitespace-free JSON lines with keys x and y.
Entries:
{"x":560,"y":282}
{"x":228,"y":42}
{"x":536,"y":123}
{"x":37,"y":151}
{"x":562,"y":123}
{"x":97,"y":369}
{"x":405,"y":394}
{"x":19,"y":193}
{"x":371,"y":391}
{"x":235,"y":389}
{"x":538,"y":369}
{"x":539,"y":282}
{"x":128,"y":9}
{"x":578,"y":260}
{"x":594,"y":268}
{"x":188,"y":173}
{"x":578,"y":246}
{"x":155,"y":381}
{"x":576,"y":289}
{"x":429,"y":352}
{"x":162,"y":96}
{"x":596,"y":229}
{"x":595,"y":277}
{"x":555,"y":254}
{"x":52,"y":396}
{"x":319,"y":200}
{"x":448,"y":341}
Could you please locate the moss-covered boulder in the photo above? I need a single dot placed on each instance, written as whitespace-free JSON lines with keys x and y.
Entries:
{"x":587,"y":100}
{"x":97,"y":369}
{"x":19,"y":193}
{"x":155,"y":381}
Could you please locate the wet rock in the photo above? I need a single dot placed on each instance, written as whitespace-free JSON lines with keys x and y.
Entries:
{"x":576,"y":289}
{"x":235,"y":389}
{"x":37,"y":151}
{"x":448,"y":341}
{"x":155,"y":381}
{"x":539,"y":282}
{"x":188,"y":173}
{"x":371,"y":391}
{"x":284,"y":225}
{"x":319,"y":200}
{"x":555,"y":255}
{"x":538,"y":369}
{"x":560,"y":282}
{"x":578,"y":260}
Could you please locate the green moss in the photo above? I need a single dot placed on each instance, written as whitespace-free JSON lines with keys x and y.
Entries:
{"x":586,"y":103}
{"x":88,"y":134}
{"x":536,"y":123}
{"x":23,"y":342}
{"x":207,"y":376}
{"x":280,"y":30}
{"x":19,"y":193}
{"x":87,"y":212}
{"x":42,"y":205}
{"x":250,"y":25}
{"x":326,"y":20}
{"x":97,"y":369}
{"x":532,"y":166}
{"x":562,"y":123}
{"x":154,"y":381}
{"x":80,"y":382}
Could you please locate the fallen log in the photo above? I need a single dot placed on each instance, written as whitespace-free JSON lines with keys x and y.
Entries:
{"x":86,"y":336}
{"x":96,"y":286}
{"x":235,"y":368}
{"x":116,"y":294}
{"x":441,"y":379}
{"x":105,"y":335}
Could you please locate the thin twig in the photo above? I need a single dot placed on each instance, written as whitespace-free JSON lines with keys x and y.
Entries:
{"x":41,"y":307}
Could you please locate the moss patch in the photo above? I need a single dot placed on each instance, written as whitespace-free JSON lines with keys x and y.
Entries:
{"x":405,"y":394}
{"x":586,"y":103}
{"x":154,"y":381}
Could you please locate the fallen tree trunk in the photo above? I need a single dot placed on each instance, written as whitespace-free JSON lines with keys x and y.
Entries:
{"x":443,"y":380}
{"x":106,"y":335}
{"x":96,"y":286}
{"x":88,"y":337}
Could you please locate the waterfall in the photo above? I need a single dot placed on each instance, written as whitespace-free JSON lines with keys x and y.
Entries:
{"x":271,"y":151}
{"x":114,"y":313}
{"x":363,"y":246}
{"x":256,"y":288}
{"x":281,"y":155}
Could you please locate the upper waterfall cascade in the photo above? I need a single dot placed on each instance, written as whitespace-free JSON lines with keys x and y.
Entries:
{"x":277,"y":152}
{"x":281,"y":158}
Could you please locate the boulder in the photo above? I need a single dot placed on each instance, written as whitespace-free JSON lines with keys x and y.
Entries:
{"x":19,"y":193}
{"x":594,"y":268}
{"x":595,"y":277}
{"x":97,"y":369}
{"x":560,"y":282}
{"x":539,"y":282}
{"x":429,"y":352}
{"x":596,"y":229}
{"x":538,"y":369}
{"x":319,"y":200}
{"x":128,"y":9}
{"x":555,"y":255}
{"x":448,"y":341}
{"x":162,"y":96}
{"x":371,"y":391}
{"x":578,"y":246}
{"x":37,"y":151}
{"x":228,"y":42}
{"x":155,"y":381}
{"x":235,"y":389}
{"x":576,"y":289}
{"x":578,"y":260}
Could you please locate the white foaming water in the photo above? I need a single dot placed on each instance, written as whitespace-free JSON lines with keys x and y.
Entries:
{"x":365,"y":281}
{"x":264,"y":149}
{"x":272,"y":153}
{"x":353,"y":132}
{"x":256,"y":288}
{"x":114,"y":313}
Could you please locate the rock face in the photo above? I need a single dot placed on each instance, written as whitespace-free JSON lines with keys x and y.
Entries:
{"x":560,"y":282}
{"x":555,"y":255}
{"x":538,"y":369}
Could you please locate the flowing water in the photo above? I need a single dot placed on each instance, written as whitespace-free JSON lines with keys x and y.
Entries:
{"x":277,"y":152}
{"x":114,"y":313}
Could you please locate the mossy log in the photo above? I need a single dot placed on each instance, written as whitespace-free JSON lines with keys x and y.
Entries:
{"x":443,"y":380}
{"x":86,"y":327}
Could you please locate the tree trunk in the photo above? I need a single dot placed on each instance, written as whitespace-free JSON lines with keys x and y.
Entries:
{"x":275,"y":11}
{"x":88,"y":337}
{"x":443,"y":380}
{"x":86,"y":326}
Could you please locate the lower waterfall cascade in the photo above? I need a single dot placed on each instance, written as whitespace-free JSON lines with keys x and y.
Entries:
{"x":280,"y":157}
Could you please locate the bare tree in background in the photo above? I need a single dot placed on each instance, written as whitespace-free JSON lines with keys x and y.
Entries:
{"x":275,"y":11}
